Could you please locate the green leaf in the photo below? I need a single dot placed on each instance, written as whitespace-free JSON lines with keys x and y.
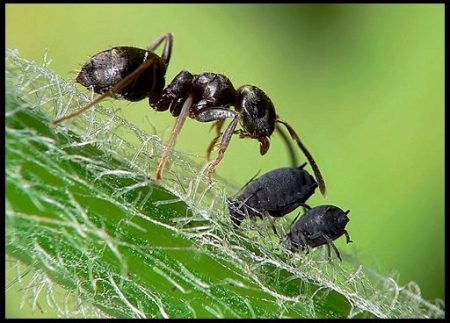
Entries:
{"x":83,"y":215}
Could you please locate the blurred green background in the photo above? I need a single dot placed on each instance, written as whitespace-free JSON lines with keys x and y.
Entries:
{"x":362,"y":84}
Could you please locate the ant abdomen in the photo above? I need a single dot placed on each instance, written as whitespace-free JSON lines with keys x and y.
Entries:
{"x":107,"y":68}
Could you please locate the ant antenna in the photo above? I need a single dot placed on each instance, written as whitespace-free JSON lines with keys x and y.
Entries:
{"x":290,"y":147}
{"x":308,"y":155}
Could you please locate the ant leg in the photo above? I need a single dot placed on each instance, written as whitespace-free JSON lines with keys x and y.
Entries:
{"x":223,"y":145}
{"x":218,"y":125}
{"x":114,"y":90}
{"x":290,"y":147}
{"x":347,"y":236}
{"x":167,"y":50}
{"x":308,"y":155}
{"x":214,"y":114}
{"x":217,"y":113}
{"x":176,"y":130}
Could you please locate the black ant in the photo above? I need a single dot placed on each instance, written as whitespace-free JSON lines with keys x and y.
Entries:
{"x":134,"y":74}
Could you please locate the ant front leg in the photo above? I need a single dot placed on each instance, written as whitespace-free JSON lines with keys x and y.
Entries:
{"x":176,"y":130}
{"x":167,"y":50}
{"x":218,"y":125}
{"x":223,"y":145}
{"x":218,"y":113}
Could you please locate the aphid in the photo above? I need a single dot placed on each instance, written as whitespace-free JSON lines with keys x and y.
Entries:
{"x":275,"y":193}
{"x":134,"y":74}
{"x":318,"y":226}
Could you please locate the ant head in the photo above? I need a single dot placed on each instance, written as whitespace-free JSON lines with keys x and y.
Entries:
{"x":257,"y":115}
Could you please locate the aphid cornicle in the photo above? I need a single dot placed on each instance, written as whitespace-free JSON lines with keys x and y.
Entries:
{"x":133,"y":74}
{"x":275,"y":193}
{"x":318,"y":226}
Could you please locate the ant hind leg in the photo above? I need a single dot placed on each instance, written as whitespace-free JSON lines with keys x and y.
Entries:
{"x":218,"y":126}
{"x":111,"y":93}
{"x":167,"y":50}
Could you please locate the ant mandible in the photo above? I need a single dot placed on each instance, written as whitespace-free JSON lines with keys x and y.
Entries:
{"x":133,"y":74}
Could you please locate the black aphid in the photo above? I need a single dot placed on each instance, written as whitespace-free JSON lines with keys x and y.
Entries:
{"x":275,"y":193}
{"x":134,"y":74}
{"x":318,"y":226}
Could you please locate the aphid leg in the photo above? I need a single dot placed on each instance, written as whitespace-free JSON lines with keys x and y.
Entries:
{"x":237,"y":205}
{"x":302,"y":237}
{"x":167,"y":50}
{"x":290,"y":147}
{"x":347,"y":236}
{"x":295,"y":219}
{"x":111,"y":93}
{"x":305,"y":207}
{"x":308,"y":155}
{"x":247,"y":215}
{"x":272,"y":224}
{"x":91,"y":88}
{"x":242,"y":203}
{"x":328,"y":251}
{"x":330,"y":243}
{"x":218,"y":125}
{"x":176,"y":130}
